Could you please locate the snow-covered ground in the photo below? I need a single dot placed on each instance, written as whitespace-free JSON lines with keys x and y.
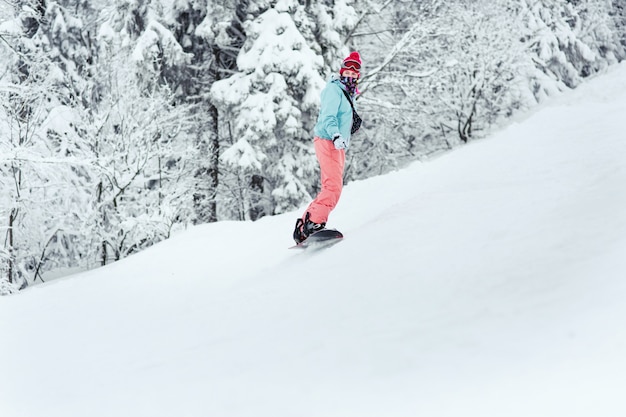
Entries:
{"x":490,"y":281}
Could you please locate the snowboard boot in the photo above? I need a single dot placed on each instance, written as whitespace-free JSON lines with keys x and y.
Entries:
{"x":305,"y":228}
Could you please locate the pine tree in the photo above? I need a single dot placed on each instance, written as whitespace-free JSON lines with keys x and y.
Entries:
{"x":571,"y":40}
{"x":270,"y":106}
{"x":618,"y":12}
{"x":212,"y":40}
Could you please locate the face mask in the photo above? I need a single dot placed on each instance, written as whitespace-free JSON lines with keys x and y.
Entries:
{"x":350,"y":84}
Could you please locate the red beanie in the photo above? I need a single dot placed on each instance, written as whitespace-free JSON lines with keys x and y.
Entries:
{"x":351,"y":62}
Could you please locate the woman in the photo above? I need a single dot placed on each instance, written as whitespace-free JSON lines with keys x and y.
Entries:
{"x":332,"y":138}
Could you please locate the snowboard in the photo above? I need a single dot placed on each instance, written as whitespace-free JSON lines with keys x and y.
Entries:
{"x":322,"y":239}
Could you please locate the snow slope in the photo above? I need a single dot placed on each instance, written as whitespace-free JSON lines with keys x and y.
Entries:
{"x":486,"y":282}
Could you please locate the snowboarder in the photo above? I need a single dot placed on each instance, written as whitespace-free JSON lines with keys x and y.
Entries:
{"x":332,"y":137}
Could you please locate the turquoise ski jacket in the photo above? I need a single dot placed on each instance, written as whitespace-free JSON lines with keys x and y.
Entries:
{"x":335,"y":114}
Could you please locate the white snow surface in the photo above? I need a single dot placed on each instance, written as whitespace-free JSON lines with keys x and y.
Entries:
{"x":489,"y":281}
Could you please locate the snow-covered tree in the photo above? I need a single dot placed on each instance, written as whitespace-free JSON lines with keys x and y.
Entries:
{"x":122,"y":120}
{"x":452,"y":69}
{"x":269,"y":108}
{"x":211,"y":33}
{"x":137,"y":133}
{"x":187,"y":19}
{"x":478,"y":81}
{"x":40,"y":150}
{"x":570,"y":40}
{"x":619,"y":15}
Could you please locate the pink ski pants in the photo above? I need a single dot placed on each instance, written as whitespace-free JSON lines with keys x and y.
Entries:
{"x":331,"y":162}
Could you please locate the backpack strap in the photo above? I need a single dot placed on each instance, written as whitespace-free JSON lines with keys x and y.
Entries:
{"x":356,"y":119}
{"x":345,"y":93}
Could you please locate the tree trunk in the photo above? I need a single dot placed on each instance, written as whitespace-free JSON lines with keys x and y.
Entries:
{"x":10,"y":237}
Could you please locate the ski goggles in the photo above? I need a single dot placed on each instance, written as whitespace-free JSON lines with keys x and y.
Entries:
{"x":351,"y":65}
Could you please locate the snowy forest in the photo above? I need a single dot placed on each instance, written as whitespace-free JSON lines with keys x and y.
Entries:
{"x":122,"y":121}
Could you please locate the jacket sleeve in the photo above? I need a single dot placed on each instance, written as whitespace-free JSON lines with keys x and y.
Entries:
{"x":329,"y":109}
